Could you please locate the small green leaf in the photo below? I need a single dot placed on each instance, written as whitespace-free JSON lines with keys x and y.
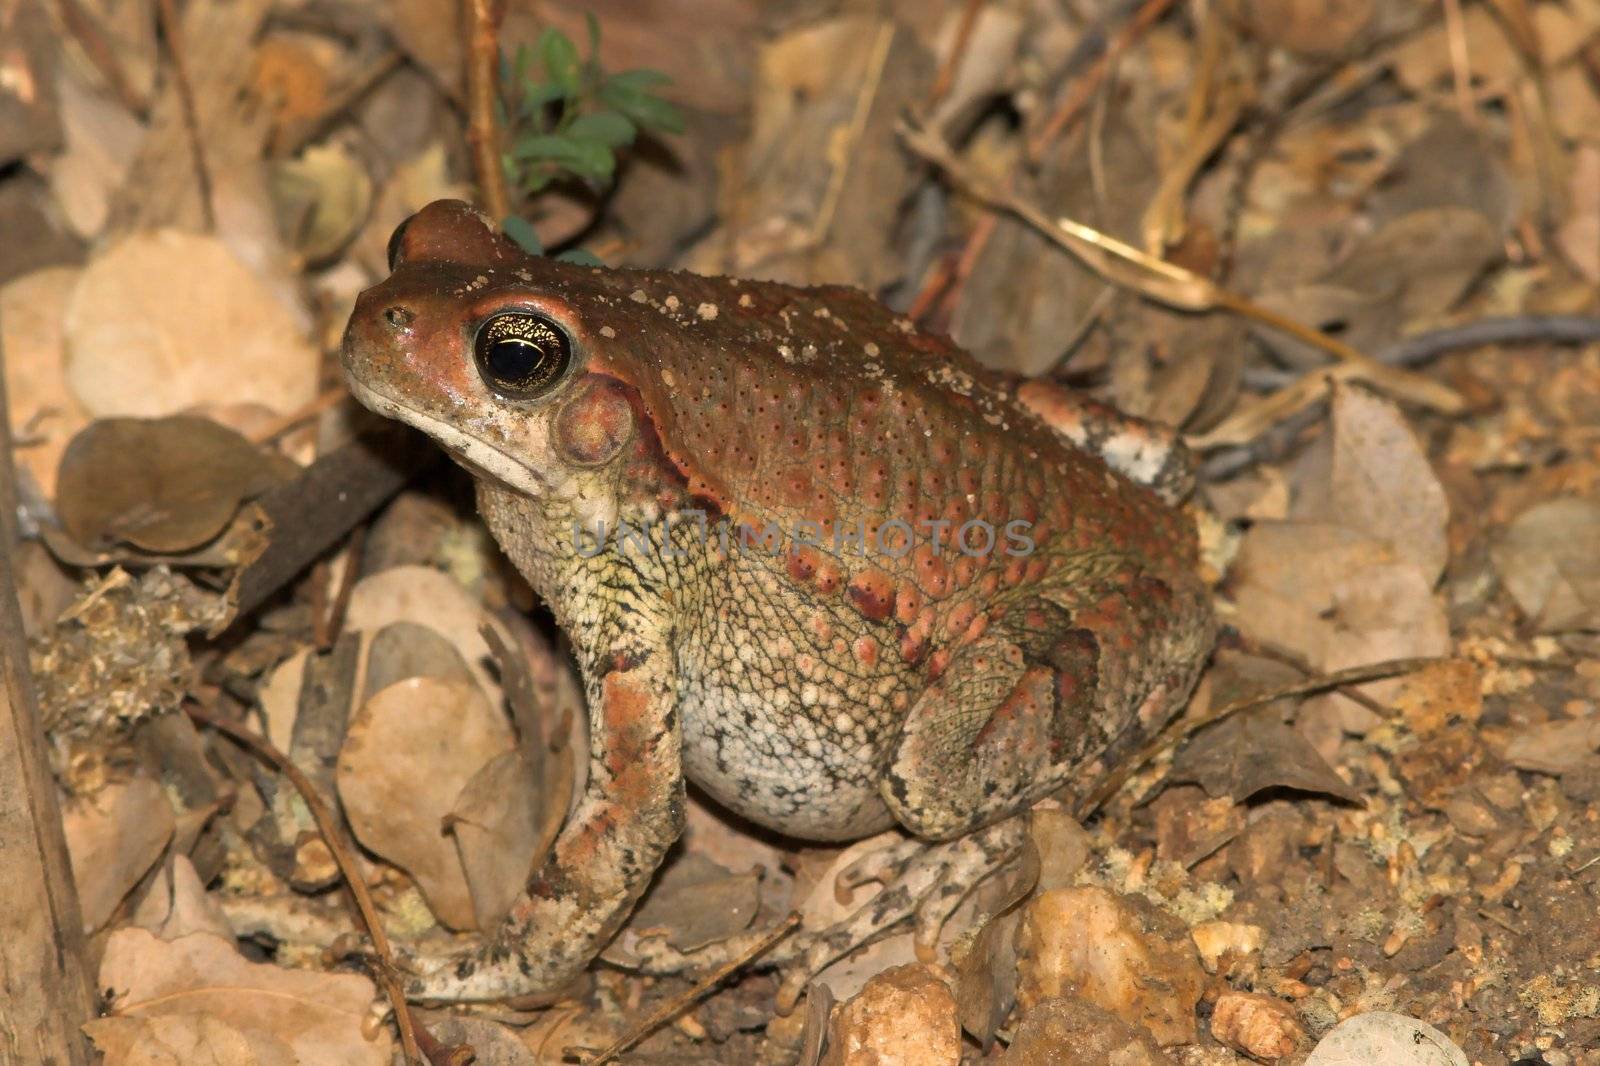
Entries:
{"x":560,"y":57}
{"x":650,"y":112}
{"x":594,"y":36}
{"x":604,"y":127}
{"x":535,"y":95}
{"x":639,"y":81}
{"x":580,"y":256}
{"x":521,"y":230}
{"x":586,"y":159}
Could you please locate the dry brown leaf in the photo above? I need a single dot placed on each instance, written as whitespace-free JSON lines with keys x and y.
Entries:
{"x":44,"y":412}
{"x":1556,"y":747}
{"x":409,"y":649}
{"x":496,"y":834}
{"x":1285,"y":577}
{"x":1579,"y":234}
{"x":1381,"y":483}
{"x":323,"y":198}
{"x":320,"y":1016}
{"x":695,"y":902}
{"x":113,"y":838}
{"x":1310,"y":27}
{"x":135,"y":349}
{"x":1422,"y":61}
{"x":102,"y":138}
{"x":408,"y":753}
{"x":815,"y":186}
{"x":176,"y":904}
{"x":1406,"y":274}
{"x":164,"y":485}
{"x":186,"y":1040}
{"x":1547,"y":559}
{"x":431,"y":598}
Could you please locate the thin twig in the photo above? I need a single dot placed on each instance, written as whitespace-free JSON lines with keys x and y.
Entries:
{"x":172,"y":29}
{"x":1171,"y":285}
{"x":303,"y":131}
{"x":958,"y":51}
{"x":846,"y":153}
{"x":384,"y":972}
{"x":1186,"y":728}
{"x":1460,"y":61}
{"x":481,"y":20}
{"x":284,"y":423}
{"x":334,"y":620}
{"x":102,"y":54}
{"x":1423,"y":348}
{"x":670,"y":1009}
{"x":1148,"y":15}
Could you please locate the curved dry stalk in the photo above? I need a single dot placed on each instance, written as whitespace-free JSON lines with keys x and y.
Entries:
{"x":1165,"y":283}
{"x":328,"y":828}
{"x":668,"y":1010}
{"x":1185,"y":728}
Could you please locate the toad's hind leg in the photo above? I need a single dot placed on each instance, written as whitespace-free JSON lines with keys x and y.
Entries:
{"x":1016,"y":712}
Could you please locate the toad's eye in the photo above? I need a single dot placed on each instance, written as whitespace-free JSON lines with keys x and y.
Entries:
{"x":521,"y":354}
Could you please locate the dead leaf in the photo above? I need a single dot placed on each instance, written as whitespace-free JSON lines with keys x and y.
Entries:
{"x":431,"y":598}
{"x":695,"y":902}
{"x":102,"y":138}
{"x":323,"y":198}
{"x":1285,"y":577}
{"x":164,"y":485}
{"x":176,"y":905}
{"x":497,"y":838}
{"x":1309,"y":27}
{"x":409,"y":649}
{"x":44,"y":412}
{"x":1556,"y":747}
{"x":133,"y":349}
{"x":113,"y":838}
{"x":409,"y":752}
{"x":1579,"y":234}
{"x":1411,"y":270}
{"x":1249,"y":753}
{"x":1381,"y":482}
{"x":320,"y":1016}
{"x":1546,"y":558}
{"x":185,"y":1040}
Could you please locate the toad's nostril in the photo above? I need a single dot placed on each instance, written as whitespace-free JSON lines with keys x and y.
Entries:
{"x":398,"y":317}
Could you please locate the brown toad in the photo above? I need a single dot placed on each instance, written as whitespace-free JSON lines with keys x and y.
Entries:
{"x":812,"y":559}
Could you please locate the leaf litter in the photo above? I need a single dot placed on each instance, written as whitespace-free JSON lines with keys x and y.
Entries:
{"x":1415,"y":855}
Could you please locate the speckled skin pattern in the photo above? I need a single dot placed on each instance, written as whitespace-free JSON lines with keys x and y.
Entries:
{"x":822,"y":690}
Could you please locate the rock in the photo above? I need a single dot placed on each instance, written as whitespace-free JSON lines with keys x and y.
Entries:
{"x":1392,"y":1039}
{"x":1260,"y":1026}
{"x":1071,"y":1029}
{"x":1117,"y":952}
{"x":905,"y":1016}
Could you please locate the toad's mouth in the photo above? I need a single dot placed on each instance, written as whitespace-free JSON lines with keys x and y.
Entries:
{"x":474,"y":453}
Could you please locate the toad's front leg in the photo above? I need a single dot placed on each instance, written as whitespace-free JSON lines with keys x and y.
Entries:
{"x":631,"y":812}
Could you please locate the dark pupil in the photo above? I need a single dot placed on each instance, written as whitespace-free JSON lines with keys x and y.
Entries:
{"x":513,"y":360}
{"x":521,"y":355}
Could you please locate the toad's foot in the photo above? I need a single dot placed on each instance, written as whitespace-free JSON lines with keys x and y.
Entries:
{"x":921,"y":881}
